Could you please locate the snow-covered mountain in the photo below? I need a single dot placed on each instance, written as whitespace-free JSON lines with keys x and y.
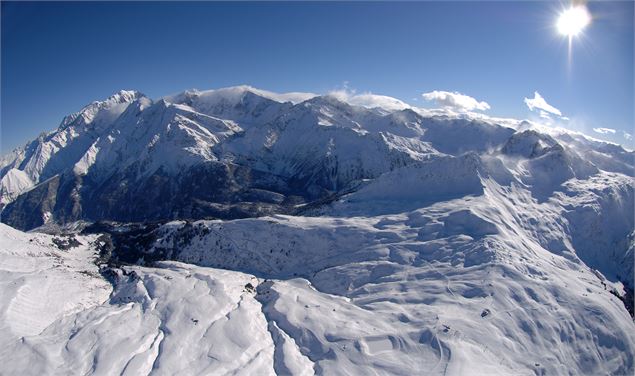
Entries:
{"x":374,"y":239}
{"x":231,"y":153}
{"x":235,"y":152}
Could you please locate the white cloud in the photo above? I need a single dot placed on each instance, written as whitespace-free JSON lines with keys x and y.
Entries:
{"x":236,"y":92}
{"x":627,"y":135}
{"x":455,"y":101}
{"x":540,"y":104}
{"x":545,"y":115}
{"x":604,"y":130}
{"x":369,"y":100}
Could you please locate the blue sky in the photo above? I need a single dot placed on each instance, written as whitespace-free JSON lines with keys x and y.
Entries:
{"x":58,"y":57}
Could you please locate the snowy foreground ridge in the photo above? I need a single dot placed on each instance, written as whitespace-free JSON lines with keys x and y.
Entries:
{"x":239,"y":231}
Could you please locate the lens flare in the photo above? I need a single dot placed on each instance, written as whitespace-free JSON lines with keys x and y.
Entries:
{"x":573,"y":20}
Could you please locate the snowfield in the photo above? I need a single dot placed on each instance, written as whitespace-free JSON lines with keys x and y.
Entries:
{"x":174,"y":319}
{"x":369,"y":240}
{"x":330,"y":295}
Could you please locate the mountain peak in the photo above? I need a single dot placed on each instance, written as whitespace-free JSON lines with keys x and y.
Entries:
{"x":125,"y":96}
{"x":120,"y":97}
{"x":88,"y":112}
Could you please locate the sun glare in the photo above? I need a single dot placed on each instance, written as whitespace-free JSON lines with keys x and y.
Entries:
{"x":573,"y":20}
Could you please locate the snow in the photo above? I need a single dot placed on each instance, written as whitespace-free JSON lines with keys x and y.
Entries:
{"x":459,"y":288}
{"x":400,"y":321}
{"x":12,"y":184}
{"x":370,"y":100}
{"x":452,"y":244}
{"x":41,"y":283}
{"x":235,"y":93}
{"x":438,"y":179}
{"x":352,"y":295}
{"x":58,"y":315}
{"x":173,"y":319}
{"x":362,"y":136}
{"x":87,"y":160}
{"x":445,"y":288}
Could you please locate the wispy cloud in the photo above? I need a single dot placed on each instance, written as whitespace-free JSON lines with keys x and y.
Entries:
{"x":455,"y":101}
{"x":538,"y":103}
{"x":369,"y":100}
{"x":627,"y":135}
{"x":544,"y":115}
{"x":604,"y":130}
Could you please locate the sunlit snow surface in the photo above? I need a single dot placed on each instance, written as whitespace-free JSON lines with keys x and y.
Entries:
{"x":57,"y":316}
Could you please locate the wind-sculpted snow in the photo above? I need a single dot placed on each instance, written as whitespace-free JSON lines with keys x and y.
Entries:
{"x":57,"y":317}
{"x":457,"y":287}
{"x":41,"y":282}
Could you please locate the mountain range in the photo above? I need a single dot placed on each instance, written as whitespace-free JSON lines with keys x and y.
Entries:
{"x":296,"y":233}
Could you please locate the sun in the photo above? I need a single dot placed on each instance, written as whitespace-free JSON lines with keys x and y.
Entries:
{"x":573,"y":20}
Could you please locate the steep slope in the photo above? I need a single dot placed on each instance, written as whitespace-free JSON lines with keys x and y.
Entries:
{"x":56,"y":151}
{"x":129,"y":158}
{"x":235,"y":152}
